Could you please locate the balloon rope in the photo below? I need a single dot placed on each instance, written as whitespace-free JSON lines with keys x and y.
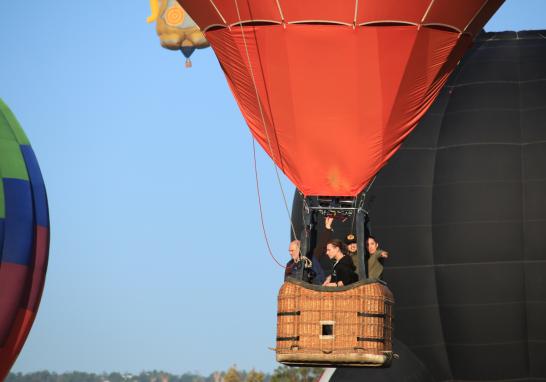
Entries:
{"x":474,"y":18}
{"x":264,"y":124}
{"x":356,"y":14}
{"x":260,"y":205}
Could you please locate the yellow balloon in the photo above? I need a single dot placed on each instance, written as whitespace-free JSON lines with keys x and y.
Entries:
{"x":154,"y":6}
{"x":175,"y":28}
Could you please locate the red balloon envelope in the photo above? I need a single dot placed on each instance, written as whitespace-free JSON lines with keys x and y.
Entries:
{"x":330,"y":89}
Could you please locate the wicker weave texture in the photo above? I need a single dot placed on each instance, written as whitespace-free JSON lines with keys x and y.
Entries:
{"x":346,"y":326}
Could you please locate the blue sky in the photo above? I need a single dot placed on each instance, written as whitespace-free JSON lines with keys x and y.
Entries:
{"x":157,"y":258}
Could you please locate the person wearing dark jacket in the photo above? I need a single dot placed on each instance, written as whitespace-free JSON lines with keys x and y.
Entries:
{"x":344,"y":269}
{"x":319,"y":253}
{"x":352,"y":252}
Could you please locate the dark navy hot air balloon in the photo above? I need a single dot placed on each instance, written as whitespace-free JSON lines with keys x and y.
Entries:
{"x":462,"y":209}
{"x":24,"y":238}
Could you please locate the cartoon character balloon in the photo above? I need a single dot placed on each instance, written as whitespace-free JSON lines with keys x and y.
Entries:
{"x":176,"y":29}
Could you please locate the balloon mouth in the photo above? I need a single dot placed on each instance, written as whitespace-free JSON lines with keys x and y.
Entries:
{"x":187,"y":51}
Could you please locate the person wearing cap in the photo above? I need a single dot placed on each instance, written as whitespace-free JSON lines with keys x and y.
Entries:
{"x":352,"y":251}
{"x":376,"y":258}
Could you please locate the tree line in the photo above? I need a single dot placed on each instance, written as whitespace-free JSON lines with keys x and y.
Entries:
{"x":281,"y":374}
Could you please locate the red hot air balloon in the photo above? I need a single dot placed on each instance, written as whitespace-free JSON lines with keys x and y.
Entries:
{"x":330,"y":89}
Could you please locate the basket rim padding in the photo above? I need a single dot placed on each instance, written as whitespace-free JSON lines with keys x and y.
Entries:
{"x":320,"y":288}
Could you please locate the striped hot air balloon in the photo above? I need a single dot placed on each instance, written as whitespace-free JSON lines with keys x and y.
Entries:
{"x":24,"y":238}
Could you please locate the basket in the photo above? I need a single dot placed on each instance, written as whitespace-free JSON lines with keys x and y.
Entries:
{"x":344,"y":326}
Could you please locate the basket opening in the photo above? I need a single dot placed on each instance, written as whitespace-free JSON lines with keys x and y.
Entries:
{"x":327,"y":329}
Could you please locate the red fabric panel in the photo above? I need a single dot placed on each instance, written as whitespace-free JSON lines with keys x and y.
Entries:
{"x":230,"y":50}
{"x":20,"y":292}
{"x":419,"y":88}
{"x":202,"y":12}
{"x":21,"y":286}
{"x":248,"y":9}
{"x":443,"y":12}
{"x":449,"y":12}
{"x":14,"y":343}
{"x":41,"y":247}
{"x":394,"y":10}
{"x":13,"y":278}
{"x":332,"y":122}
{"x":320,"y":10}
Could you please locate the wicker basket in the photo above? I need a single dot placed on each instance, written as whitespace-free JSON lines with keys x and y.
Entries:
{"x":346,"y":326}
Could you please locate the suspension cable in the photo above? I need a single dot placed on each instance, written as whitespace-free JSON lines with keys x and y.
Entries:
{"x":264,"y":123}
{"x":260,"y":205}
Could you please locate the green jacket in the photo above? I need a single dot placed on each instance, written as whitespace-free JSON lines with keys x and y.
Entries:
{"x":356,"y":262}
{"x":375,"y":266}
